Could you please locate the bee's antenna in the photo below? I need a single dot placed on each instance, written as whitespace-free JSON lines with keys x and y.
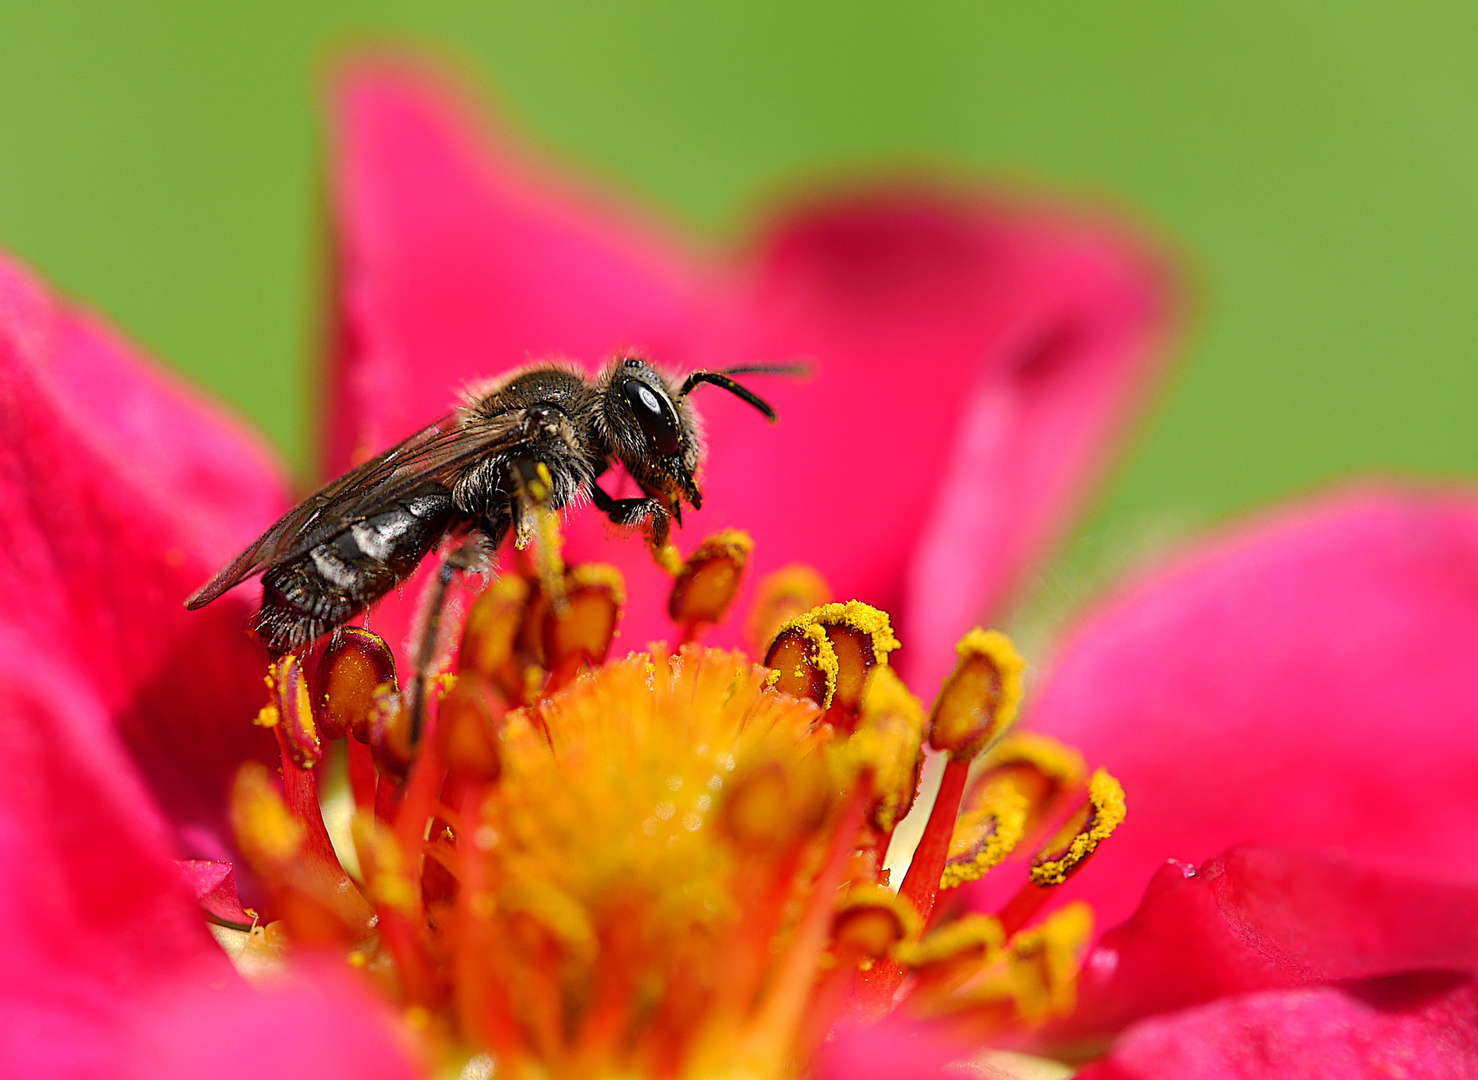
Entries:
{"x":721,"y":379}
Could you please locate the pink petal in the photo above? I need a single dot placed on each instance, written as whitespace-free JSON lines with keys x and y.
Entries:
{"x":1309,"y":681}
{"x":107,"y":968}
{"x":93,"y":908}
{"x":974,"y":360}
{"x":1260,"y":918}
{"x":1419,"y":1029}
{"x":316,"y":1023}
{"x":120,"y":492}
{"x":893,"y":1048}
{"x":213,"y":884}
{"x":970,"y":360}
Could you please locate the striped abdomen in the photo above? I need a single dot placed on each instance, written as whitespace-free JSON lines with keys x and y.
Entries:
{"x":321,"y":590}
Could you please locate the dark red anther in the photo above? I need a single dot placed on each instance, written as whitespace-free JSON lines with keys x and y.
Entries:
{"x":353,"y":666}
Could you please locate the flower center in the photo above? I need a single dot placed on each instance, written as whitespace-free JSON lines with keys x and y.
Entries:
{"x":670,"y":864}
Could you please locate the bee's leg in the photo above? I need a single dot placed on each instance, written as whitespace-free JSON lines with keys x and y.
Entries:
{"x":648,"y":513}
{"x":536,"y":521}
{"x":467,"y":555}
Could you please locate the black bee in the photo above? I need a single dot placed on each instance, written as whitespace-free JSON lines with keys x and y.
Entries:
{"x":528,"y":444}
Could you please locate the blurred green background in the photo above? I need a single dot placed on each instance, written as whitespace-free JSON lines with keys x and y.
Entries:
{"x":1317,"y":165}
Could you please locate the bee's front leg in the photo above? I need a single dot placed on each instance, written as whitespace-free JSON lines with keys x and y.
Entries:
{"x":648,"y":514}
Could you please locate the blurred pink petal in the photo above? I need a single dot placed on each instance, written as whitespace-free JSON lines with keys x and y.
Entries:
{"x":1261,"y":918}
{"x":108,"y":969}
{"x":1416,"y":1029}
{"x":970,"y":361}
{"x":1308,"y":681}
{"x":119,"y":493}
{"x":890,"y":1049}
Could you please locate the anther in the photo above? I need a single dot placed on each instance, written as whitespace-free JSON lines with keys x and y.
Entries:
{"x":872,"y":922}
{"x":467,"y":727}
{"x":772,"y":805}
{"x":1042,"y":963}
{"x":1041,"y":768}
{"x":858,"y":639}
{"x":709,"y":580}
{"x":887,"y":740}
{"x":1091,"y":825}
{"x":581,"y":631}
{"x":355,"y":663}
{"x":990,"y":825}
{"x":290,"y":711}
{"x":976,"y":703}
{"x":803,"y":663}
{"x":492,"y":641}
{"x":979,"y":698}
{"x":1065,"y":854}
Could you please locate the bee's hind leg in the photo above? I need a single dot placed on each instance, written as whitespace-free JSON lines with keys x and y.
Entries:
{"x":470,"y":554}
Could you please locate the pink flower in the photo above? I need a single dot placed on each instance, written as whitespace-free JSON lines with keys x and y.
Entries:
{"x":1307,"y":683}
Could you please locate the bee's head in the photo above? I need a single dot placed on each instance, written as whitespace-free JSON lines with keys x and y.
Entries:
{"x":653,"y":431}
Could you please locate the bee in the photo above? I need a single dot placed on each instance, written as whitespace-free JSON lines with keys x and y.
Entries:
{"x":526,"y":445}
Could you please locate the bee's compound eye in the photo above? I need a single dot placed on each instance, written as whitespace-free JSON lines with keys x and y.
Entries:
{"x":654,"y":414}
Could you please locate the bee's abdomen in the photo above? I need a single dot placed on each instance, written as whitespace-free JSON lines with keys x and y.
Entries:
{"x":336,"y":580}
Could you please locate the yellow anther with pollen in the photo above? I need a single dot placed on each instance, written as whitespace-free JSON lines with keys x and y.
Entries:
{"x":873,"y":921}
{"x":858,"y":638}
{"x":803,"y":663}
{"x":710,"y":579}
{"x":887,"y":741}
{"x":268,"y":833}
{"x":1099,"y":818}
{"x":972,"y":941}
{"x":1062,"y":764}
{"x":979,"y":699}
{"x":985,"y":833}
{"x":1043,"y":961}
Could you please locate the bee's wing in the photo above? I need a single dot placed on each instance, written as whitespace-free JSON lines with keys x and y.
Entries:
{"x":436,"y":452}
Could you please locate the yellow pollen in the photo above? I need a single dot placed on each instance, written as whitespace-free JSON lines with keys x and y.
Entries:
{"x":979,"y":699}
{"x":887,"y":740}
{"x":984,"y":835}
{"x":874,"y":922}
{"x":1104,"y":813}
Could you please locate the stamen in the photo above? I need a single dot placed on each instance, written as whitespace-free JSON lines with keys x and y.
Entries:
{"x":988,"y":828}
{"x":978,"y":700}
{"x":872,"y":922}
{"x":491,"y":640}
{"x":289,"y":710}
{"x":888,"y":741}
{"x":580,"y":633}
{"x":709,"y":580}
{"x":467,"y":726}
{"x":268,"y":833}
{"x":803,"y":663}
{"x":355,"y":663}
{"x":976,"y":703}
{"x":1044,"y":770}
{"x":858,"y":639}
{"x":1099,"y":817}
{"x":1065,"y":854}
{"x":1041,"y":964}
